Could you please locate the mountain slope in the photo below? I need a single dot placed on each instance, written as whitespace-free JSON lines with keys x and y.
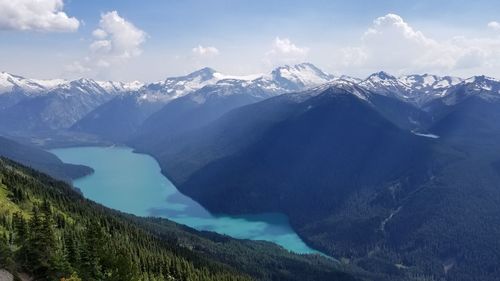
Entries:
{"x":41,"y":160}
{"x":470,"y":110}
{"x":210,"y":102}
{"x":119,"y":118}
{"x":299,"y":77}
{"x":324,"y":145}
{"x":353,"y":183}
{"x":414,"y":89}
{"x":183,"y":154}
{"x":59,"y":233}
{"x":195,"y":110}
{"x":57,"y":109}
{"x":14,"y":88}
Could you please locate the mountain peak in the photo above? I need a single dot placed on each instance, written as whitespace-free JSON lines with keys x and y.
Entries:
{"x":305,"y":66}
{"x":10,"y":82}
{"x":300,"y":76}
{"x":205,"y":73}
{"x":481,"y":78}
{"x":382,"y":75}
{"x":83,"y":82}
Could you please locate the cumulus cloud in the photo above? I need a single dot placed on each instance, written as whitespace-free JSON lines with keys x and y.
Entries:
{"x":494,"y":25}
{"x":285,"y":51}
{"x":99,"y":33}
{"x":286,"y":47}
{"x":392,"y":44}
{"x":36,"y":15}
{"x":202,"y":51}
{"x":115,"y":41}
{"x":117,"y":37}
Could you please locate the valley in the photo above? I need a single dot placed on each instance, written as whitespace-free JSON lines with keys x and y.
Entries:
{"x":236,"y":140}
{"x":132,"y":183}
{"x":378,"y":173}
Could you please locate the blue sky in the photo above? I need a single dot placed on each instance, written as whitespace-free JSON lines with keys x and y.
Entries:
{"x":150,"y":40}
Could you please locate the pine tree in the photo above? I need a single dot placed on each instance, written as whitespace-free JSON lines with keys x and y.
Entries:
{"x":74,"y":277}
{"x":91,"y":253}
{"x":6,"y":258}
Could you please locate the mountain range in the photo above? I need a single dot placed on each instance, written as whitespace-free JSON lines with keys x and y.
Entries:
{"x":117,"y":110}
{"x":397,"y":176}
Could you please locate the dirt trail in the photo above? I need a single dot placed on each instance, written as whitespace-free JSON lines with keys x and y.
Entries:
{"x":5,"y":275}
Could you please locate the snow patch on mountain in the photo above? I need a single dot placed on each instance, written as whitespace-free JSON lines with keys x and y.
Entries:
{"x":300,"y":76}
{"x":282,"y":80}
{"x":415,"y":89}
{"x":120,"y":87}
{"x":10,"y":83}
{"x":431,"y":136}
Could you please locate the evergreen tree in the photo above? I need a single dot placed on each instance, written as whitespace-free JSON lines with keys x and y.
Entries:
{"x":6,"y":258}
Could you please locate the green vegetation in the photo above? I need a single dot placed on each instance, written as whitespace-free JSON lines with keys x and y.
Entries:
{"x":52,"y":233}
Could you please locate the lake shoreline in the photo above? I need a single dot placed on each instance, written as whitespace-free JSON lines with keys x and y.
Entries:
{"x":151,"y":194}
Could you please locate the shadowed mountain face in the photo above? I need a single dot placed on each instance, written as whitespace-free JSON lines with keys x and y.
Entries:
{"x":238,"y":128}
{"x":41,"y":160}
{"x":471,"y":111}
{"x":117,"y":119}
{"x":207,"y":104}
{"x":331,"y":145}
{"x":194,"y":111}
{"x":342,"y":163}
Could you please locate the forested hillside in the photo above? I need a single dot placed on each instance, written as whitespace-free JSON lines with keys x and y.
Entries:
{"x":50,"y":232}
{"x":41,"y":160}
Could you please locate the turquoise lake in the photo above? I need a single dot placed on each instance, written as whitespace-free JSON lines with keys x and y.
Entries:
{"x":133,"y":183}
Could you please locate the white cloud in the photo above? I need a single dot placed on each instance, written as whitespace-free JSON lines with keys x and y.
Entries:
{"x":285,"y":51}
{"x":123,"y":38}
{"x":115,"y":41}
{"x":494,"y":25}
{"x":286,"y":47}
{"x":99,"y":33}
{"x":202,"y":51}
{"x":392,"y":44}
{"x":36,"y":15}
{"x":77,"y":67}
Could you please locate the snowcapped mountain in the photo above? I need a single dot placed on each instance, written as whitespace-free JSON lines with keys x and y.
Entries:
{"x":386,"y":84}
{"x":175,"y":87}
{"x":282,"y":79}
{"x":482,"y":87}
{"x":10,"y":83}
{"x":79,"y":87}
{"x":469,"y":110}
{"x":300,"y":76}
{"x":197,"y":98}
{"x":53,"y":106}
{"x":96,"y":107}
{"x":483,"y":83}
{"x":34,"y":104}
{"x":219,"y":95}
{"x":415,"y":89}
{"x":121,"y":116}
{"x":428,"y":83}
{"x":120,"y":87}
